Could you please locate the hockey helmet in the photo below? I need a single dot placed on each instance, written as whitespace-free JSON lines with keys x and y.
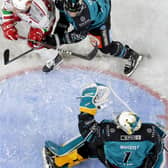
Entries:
{"x":129,"y":122}
{"x":73,"y":5}
{"x":22,"y":5}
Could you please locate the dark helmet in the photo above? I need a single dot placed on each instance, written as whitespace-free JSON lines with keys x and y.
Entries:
{"x":73,"y":5}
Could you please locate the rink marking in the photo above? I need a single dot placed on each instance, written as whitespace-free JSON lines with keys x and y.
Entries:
{"x":106,"y":72}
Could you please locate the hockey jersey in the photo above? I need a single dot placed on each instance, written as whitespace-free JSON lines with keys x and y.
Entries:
{"x":41,"y":14}
{"x":120,"y":150}
{"x":93,"y":15}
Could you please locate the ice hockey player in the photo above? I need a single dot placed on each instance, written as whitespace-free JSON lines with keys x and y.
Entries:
{"x":124,"y":142}
{"x":39,"y":14}
{"x":91,"y":17}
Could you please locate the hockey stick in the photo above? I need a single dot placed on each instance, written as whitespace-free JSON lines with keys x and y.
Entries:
{"x":89,"y":56}
{"x":6,"y":56}
{"x":0,"y":20}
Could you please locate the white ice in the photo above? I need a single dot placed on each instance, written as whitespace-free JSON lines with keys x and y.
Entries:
{"x":141,"y":24}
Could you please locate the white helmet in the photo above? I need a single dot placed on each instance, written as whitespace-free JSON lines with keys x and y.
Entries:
{"x":129,"y":122}
{"x":21,"y":4}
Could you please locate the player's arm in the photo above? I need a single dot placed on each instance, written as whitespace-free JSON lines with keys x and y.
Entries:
{"x":74,"y":36}
{"x":61,"y":34}
{"x":153,"y":158}
{"x":62,"y":25}
{"x":8,"y":21}
{"x":46,"y":17}
{"x":86,"y":123}
{"x":77,"y":34}
{"x":87,"y":110}
{"x":64,"y":36}
{"x":42,"y":15}
{"x":92,"y":97}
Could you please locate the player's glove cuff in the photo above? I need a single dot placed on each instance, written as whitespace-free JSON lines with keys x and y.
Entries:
{"x":52,"y":40}
{"x":87,"y":106}
{"x":93,"y":96}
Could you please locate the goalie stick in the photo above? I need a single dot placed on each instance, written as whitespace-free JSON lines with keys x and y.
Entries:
{"x":90,"y":55}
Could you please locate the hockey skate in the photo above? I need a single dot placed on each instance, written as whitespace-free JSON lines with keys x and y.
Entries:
{"x":134,"y":60}
{"x":53,"y":63}
{"x":48,"y":158}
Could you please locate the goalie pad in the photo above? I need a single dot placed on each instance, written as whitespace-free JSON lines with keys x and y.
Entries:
{"x":63,"y":156}
{"x":66,"y":148}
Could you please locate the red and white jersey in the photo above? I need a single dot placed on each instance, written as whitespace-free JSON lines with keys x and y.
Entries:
{"x":41,"y":13}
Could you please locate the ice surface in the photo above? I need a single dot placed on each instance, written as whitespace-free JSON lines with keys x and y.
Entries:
{"x":141,"y":24}
{"x":37,"y":107}
{"x":27,"y":104}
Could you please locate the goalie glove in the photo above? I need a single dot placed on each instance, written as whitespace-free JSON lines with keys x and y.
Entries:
{"x":93,"y":96}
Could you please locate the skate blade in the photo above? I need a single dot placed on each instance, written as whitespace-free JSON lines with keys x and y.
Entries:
{"x":57,"y":66}
{"x":45,"y":164}
{"x":140,"y":58}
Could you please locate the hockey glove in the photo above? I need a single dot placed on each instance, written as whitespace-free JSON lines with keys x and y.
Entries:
{"x":9,"y":30}
{"x":9,"y":20}
{"x":93,"y":96}
{"x":35,"y":34}
{"x":52,"y":40}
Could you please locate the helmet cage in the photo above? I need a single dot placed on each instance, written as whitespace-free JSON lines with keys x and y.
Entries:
{"x":73,"y":5}
{"x":129,"y":122}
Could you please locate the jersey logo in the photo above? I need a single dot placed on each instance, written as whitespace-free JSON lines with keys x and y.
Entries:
{"x":130,"y":137}
{"x":82,"y":18}
{"x":95,"y":40}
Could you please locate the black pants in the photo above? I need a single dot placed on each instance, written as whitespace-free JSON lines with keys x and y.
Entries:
{"x":93,"y":151}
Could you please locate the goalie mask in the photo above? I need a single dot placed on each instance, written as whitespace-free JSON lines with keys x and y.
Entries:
{"x":73,"y":5}
{"x":22,"y":5}
{"x":129,"y":122}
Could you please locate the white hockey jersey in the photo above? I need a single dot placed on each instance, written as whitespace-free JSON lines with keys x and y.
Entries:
{"x":41,"y":14}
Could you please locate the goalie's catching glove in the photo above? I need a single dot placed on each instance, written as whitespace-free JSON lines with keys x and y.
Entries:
{"x":93,"y":96}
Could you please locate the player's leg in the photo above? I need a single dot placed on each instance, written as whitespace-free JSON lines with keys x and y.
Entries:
{"x":52,"y":63}
{"x":66,"y":161}
{"x":103,"y":38}
{"x":68,"y":155}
